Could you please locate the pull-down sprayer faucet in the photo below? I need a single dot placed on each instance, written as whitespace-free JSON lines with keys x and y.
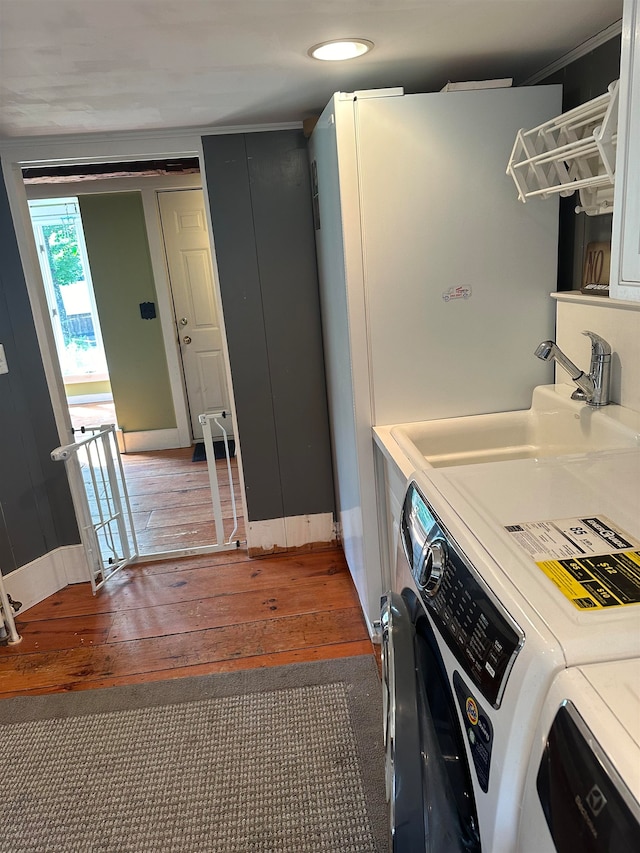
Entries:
{"x":592,"y":387}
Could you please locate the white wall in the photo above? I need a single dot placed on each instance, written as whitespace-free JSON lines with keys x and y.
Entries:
{"x":618,"y":323}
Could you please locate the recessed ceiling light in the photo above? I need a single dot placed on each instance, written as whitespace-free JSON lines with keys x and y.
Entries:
{"x":338,"y":49}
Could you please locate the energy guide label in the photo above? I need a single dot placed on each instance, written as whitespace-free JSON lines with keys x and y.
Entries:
{"x":593,"y":562}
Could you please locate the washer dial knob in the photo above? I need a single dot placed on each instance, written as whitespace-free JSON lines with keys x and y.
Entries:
{"x":433,"y":566}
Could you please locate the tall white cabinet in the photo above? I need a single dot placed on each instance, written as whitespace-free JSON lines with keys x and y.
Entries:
{"x":434,"y":278}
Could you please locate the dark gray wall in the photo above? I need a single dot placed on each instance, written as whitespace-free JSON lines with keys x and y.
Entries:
{"x":258,"y":186}
{"x":36,"y":513}
{"x":582,"y":80}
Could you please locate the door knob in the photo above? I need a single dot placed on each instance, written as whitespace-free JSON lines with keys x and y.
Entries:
{"x":183,"y":321}
{"x":186,"y":339}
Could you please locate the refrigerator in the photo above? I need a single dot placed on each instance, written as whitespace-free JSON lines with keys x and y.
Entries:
{"x":435,"y":280}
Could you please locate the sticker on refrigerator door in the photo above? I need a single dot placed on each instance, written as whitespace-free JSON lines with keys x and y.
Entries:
{"x":460,"y":292}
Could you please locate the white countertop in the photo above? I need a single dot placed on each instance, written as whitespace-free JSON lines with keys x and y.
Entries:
{"x":618,"y":685}
{"x":392,"y":450}
{"x":478,"y":503}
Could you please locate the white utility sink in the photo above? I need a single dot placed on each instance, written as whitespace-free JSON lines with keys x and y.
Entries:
{"x":555,"y":425}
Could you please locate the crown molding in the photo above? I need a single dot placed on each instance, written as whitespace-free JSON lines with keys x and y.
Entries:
{"x":578,"y":52}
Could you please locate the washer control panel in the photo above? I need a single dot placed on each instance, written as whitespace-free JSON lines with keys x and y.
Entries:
{"x":477,"y":629}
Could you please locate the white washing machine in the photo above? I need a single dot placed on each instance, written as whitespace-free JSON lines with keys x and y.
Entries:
{"x":507,"y":575}
{"x":582,"y":791}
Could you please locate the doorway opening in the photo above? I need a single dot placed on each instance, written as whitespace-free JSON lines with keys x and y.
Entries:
{"x":170,"y":487}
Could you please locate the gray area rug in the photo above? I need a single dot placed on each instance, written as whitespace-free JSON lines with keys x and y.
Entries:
{"x":278,"y":759}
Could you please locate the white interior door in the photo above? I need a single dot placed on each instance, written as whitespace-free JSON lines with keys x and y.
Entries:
{"x":188,"y":251}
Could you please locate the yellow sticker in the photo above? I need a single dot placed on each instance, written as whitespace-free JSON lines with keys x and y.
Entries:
{"x":599,"y":581}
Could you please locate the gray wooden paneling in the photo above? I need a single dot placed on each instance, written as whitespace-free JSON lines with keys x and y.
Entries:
{"x":37,"y":513}
{"x":285,"y":244}
{"x":261,"y":211}
{"x":234,"y":238}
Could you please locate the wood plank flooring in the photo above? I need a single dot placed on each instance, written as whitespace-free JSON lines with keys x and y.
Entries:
{"x":170,"y":499}
{"x":192,"y":616}
{"x":170,"y":494}
{"x":173,"y":618}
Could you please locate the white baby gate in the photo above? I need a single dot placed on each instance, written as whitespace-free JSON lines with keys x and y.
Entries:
{"x":205,"y":421}
{"x":101,"y":501}
{"x":7,"y":622}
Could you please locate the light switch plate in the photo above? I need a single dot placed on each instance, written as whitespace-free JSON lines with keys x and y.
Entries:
{"x":4,"y":367}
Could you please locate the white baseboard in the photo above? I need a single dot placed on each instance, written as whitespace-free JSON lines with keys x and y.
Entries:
{"x":42,"y":577}
{"x":53,"y":571}
{"x":291,"y":533}
{"x":153,"y":439}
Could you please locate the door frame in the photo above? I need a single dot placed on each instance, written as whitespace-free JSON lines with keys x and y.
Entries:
{"x":100,"y":148}
{"x":148,"y":187}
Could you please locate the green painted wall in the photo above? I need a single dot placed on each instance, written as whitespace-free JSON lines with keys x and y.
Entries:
{"x":81,"y":389}
{"x":122,"y":276}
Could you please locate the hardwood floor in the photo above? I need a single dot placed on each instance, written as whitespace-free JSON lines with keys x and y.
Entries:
{"x":170,"y":499}
{"x":173,"y":618}
{"x":92,"y":414}
{"x":170,"y":494}
{"x":193,"y":616}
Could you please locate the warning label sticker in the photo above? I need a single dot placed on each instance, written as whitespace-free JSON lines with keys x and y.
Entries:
{"x":592,"y":562}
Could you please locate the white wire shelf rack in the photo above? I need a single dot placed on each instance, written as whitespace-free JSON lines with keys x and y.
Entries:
{"x":575,"y":151}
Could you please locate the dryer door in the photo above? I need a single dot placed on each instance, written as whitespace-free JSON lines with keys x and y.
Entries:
{"x":428,"y":782}
{"x":586,"y":805}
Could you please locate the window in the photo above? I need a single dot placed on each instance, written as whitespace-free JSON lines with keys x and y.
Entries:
{"x":62,"y":252}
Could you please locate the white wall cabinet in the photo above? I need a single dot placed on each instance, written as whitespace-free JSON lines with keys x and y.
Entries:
{"x":625,"y":244}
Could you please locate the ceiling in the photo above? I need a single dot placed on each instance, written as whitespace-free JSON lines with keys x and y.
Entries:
{"x":85,"y":66}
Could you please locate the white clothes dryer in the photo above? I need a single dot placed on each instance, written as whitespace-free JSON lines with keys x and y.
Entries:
{"x":582,"y":791}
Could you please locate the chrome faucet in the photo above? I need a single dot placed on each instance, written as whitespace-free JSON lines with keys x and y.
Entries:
{"x":592,"y":387}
